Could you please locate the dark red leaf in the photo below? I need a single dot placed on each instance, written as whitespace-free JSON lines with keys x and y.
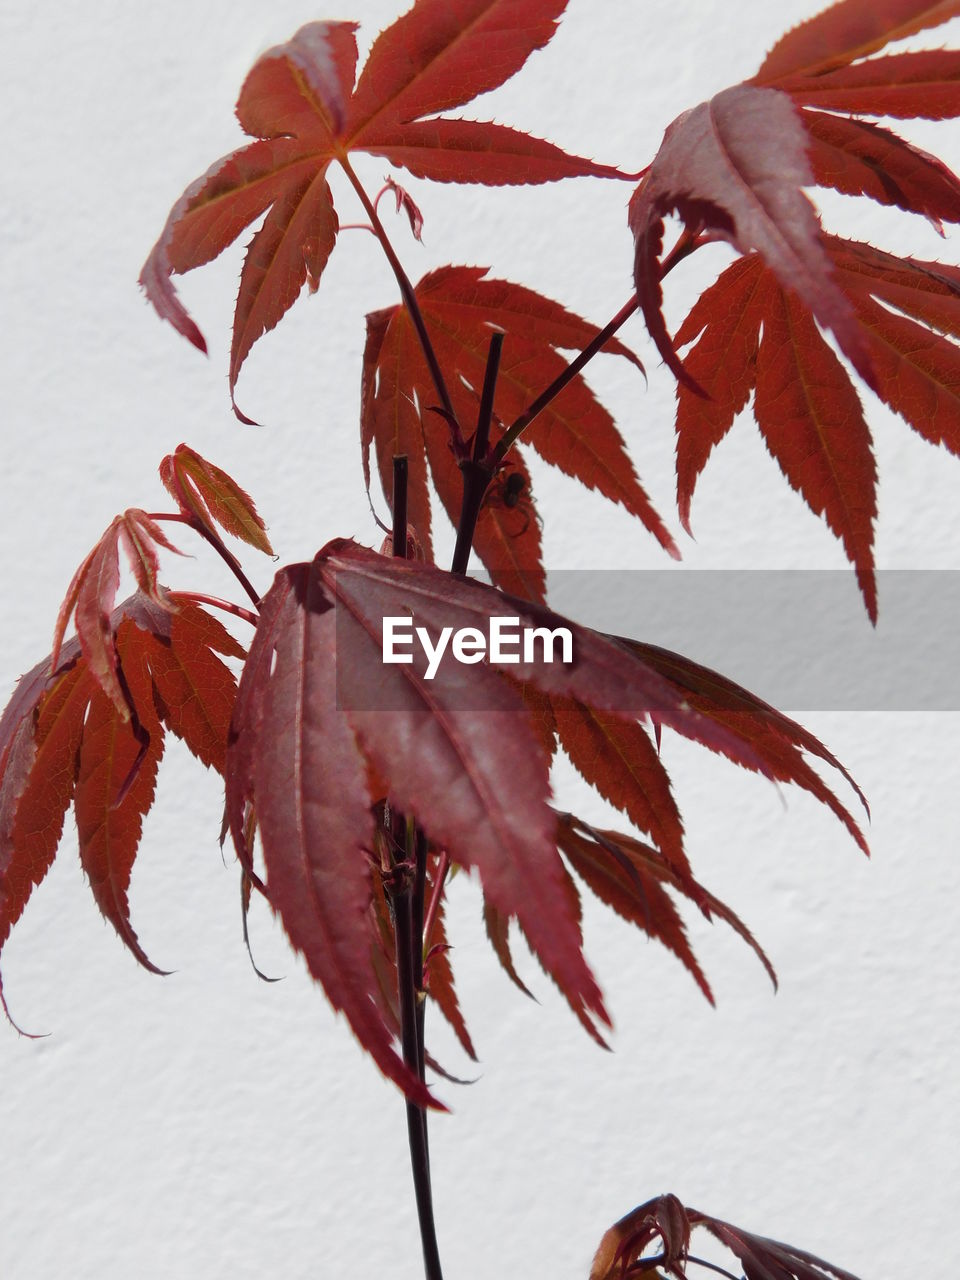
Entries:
{"x":770,"y":737}
{"x":115,"y":787}
{"x":904,"y":85}
{"x":93,"y":590}
{"x":726,"y":319}
{"x":736,"y":166}
{"x":62,"y":738}
{"x":38,"y":769}
{"x":298,"y":103}
{"x":439,"y":983}
{"x":619,"y":759}
{"x":847,"y":31}
{"x":665,"y":1225}
{"x":859,"y":158}
{"x":294,"y":755}
{"x":812,"y":422}
{"x":196,"y":691}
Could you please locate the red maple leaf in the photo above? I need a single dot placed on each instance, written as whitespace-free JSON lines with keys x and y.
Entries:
{"x":300,"y":103}
{"x":734,"y":168}
{"x":319,"y":714}
{"x":63,"y":738}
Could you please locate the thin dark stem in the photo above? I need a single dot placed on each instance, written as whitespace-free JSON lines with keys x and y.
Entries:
{"x":477,"y":470}
{"x":408,"y":929}
{"x":419,"y":893}
{"x":409,"y":299}
{"x":231,"y":561}
{"x":407,"y":946}
{"x":400,"y":473}
{"x":686,"y":244}
{"x":561,"y":380}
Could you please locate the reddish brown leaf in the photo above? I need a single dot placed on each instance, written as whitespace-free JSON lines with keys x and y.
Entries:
{"x":291,"y":247}
{"x":206,"y":493}
{"x":772,"y":738}
{"x":919,"y":374}
{"x":195,"y":690}
{"x":665,"y":1225}
{"x":295,"y":755}
{"x":928,"y":291}
{"x":624,"y":875}
{"x":406,"y":202}
{"x":727,"y":317}
{"x":480,"y":152}
{"x":736,"y":165}
{"x":628,"y":876}
{"x":619,"y":759}
{"x":452,"y":50}
{"x":859,"y":158}
{"x":847,"y":31}
{"x":497,"y":926}
{"x":439,"y":983}
{"x":904,"y":85}
{"x":62,"y":739}
{"x":38,"y":769}
{"x":301,"y":88}
{"x":476,"y":783}
{"x":812,"y":422}
{"x":298,"y":102}
{"x":93,"y":590}
{"x":115,"y":787}
{"x":390,"y":417}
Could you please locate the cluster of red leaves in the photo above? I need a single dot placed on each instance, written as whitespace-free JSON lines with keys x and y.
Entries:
{"x":575,"y":433}
{"x":65,"y":736}
{"x":734,"y":168}
{"x":325,"y":733}
{"x":87,"y":724}
{"x":301,"y":103}
{"x":666,"y":1225}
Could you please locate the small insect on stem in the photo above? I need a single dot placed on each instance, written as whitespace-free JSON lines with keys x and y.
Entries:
{"x":511,"y":492}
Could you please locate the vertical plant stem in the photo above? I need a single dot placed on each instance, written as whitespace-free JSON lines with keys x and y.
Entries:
{"x":409,"y":298}
{"x":477,"y":470}
{"x":408,"y":932}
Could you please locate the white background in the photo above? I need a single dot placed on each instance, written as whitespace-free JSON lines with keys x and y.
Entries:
{"x":209,"y":1125}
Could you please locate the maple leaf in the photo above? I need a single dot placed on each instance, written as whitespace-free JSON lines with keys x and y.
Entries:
{"x":736,"y":166}
{"x":574,"y":433}
{"x":667,"y":1224}
{"x":319,"y":714}
{"x":807,"y":409}
{"x":632,"y":878}
{"x":205,"y":493}
{"x":846,"y":32}
{"x":64,"y":739}
{"x":93,"y":589}
{"x":300,"y":105}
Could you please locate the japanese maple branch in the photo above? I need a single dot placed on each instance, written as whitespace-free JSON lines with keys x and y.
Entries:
{"x":409,"y":298}
{"x":408,"y":929}
{"x":686,"y":244}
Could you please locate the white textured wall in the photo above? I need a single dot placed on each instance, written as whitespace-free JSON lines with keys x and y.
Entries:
{"x":207,"y":1125}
